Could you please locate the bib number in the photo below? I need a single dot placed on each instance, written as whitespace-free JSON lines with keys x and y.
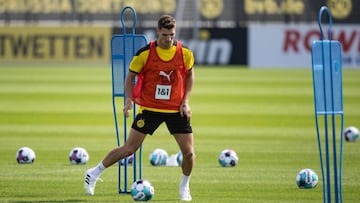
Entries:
{"x":163,"y":92}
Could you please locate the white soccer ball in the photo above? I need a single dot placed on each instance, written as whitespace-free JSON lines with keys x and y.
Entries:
{"x":351,"y":134}
{"x":142,"y":190}
{"x":78,"y":155}
{"x":307,"y":179}
{"x":25,"y":155}
{"x":179,"y":158}
{"x":158,"y":157}
{"x":130,"y":160}
{"x":228,"y":158}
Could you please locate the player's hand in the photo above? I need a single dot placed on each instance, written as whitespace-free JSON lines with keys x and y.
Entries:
{"x":185,"y":110}
{"x":128,"y":106}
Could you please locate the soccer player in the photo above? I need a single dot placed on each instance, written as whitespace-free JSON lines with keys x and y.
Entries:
{"x":165,"y":77}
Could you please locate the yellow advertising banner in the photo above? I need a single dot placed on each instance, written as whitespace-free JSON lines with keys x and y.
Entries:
{"x":68,"y":44}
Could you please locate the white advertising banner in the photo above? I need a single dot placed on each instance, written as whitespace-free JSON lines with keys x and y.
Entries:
{"x":289,"y":45}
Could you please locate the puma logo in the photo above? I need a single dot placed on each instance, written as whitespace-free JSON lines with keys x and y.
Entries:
{"x":167,"y":76}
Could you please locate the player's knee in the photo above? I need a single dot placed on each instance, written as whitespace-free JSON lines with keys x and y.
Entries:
{"x":129,"y":150}
{"x":189,"y":156}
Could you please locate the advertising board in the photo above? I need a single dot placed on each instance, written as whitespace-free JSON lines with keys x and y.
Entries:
{"x":289,"y":45}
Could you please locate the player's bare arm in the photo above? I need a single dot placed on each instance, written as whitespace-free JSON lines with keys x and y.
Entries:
{"x":129,"y":85}
{"x":185,"y":107}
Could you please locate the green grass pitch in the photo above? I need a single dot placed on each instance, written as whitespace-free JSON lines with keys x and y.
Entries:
{"x":266,"y":116}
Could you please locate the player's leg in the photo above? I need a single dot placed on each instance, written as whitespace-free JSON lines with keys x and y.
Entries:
{"x":139,"y":130}
{"x":133,"y":142}
{"x":179,"y":126}
{"x":185,"y":142}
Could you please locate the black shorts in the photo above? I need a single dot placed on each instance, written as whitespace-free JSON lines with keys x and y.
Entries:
{"x":148,"y":121}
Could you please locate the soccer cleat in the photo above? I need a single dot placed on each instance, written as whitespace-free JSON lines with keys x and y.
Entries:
{"x":185,"y":194}
{"x":90,"y":183}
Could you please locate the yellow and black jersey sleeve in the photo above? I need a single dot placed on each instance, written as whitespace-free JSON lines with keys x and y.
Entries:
{"x":189,"y":59}
{"x":139,"y":60}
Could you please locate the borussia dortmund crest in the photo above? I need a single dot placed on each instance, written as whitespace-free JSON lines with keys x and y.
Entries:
{"x":140,"y":123}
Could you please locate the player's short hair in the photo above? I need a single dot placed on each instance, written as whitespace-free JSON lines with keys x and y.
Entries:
{"x":166,"y":21}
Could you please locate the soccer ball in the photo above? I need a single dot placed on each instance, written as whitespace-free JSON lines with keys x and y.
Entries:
{"x":142,"y":190}
{"x":228,"y":158}
{"x":179,"y":158}
{"x":78,"y":155}
{"x":351,"y":134}
{"x":25,"y":155}
{"x":158,"y":157}
{"x":130,"y":160}
{"x":307,"y":179}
